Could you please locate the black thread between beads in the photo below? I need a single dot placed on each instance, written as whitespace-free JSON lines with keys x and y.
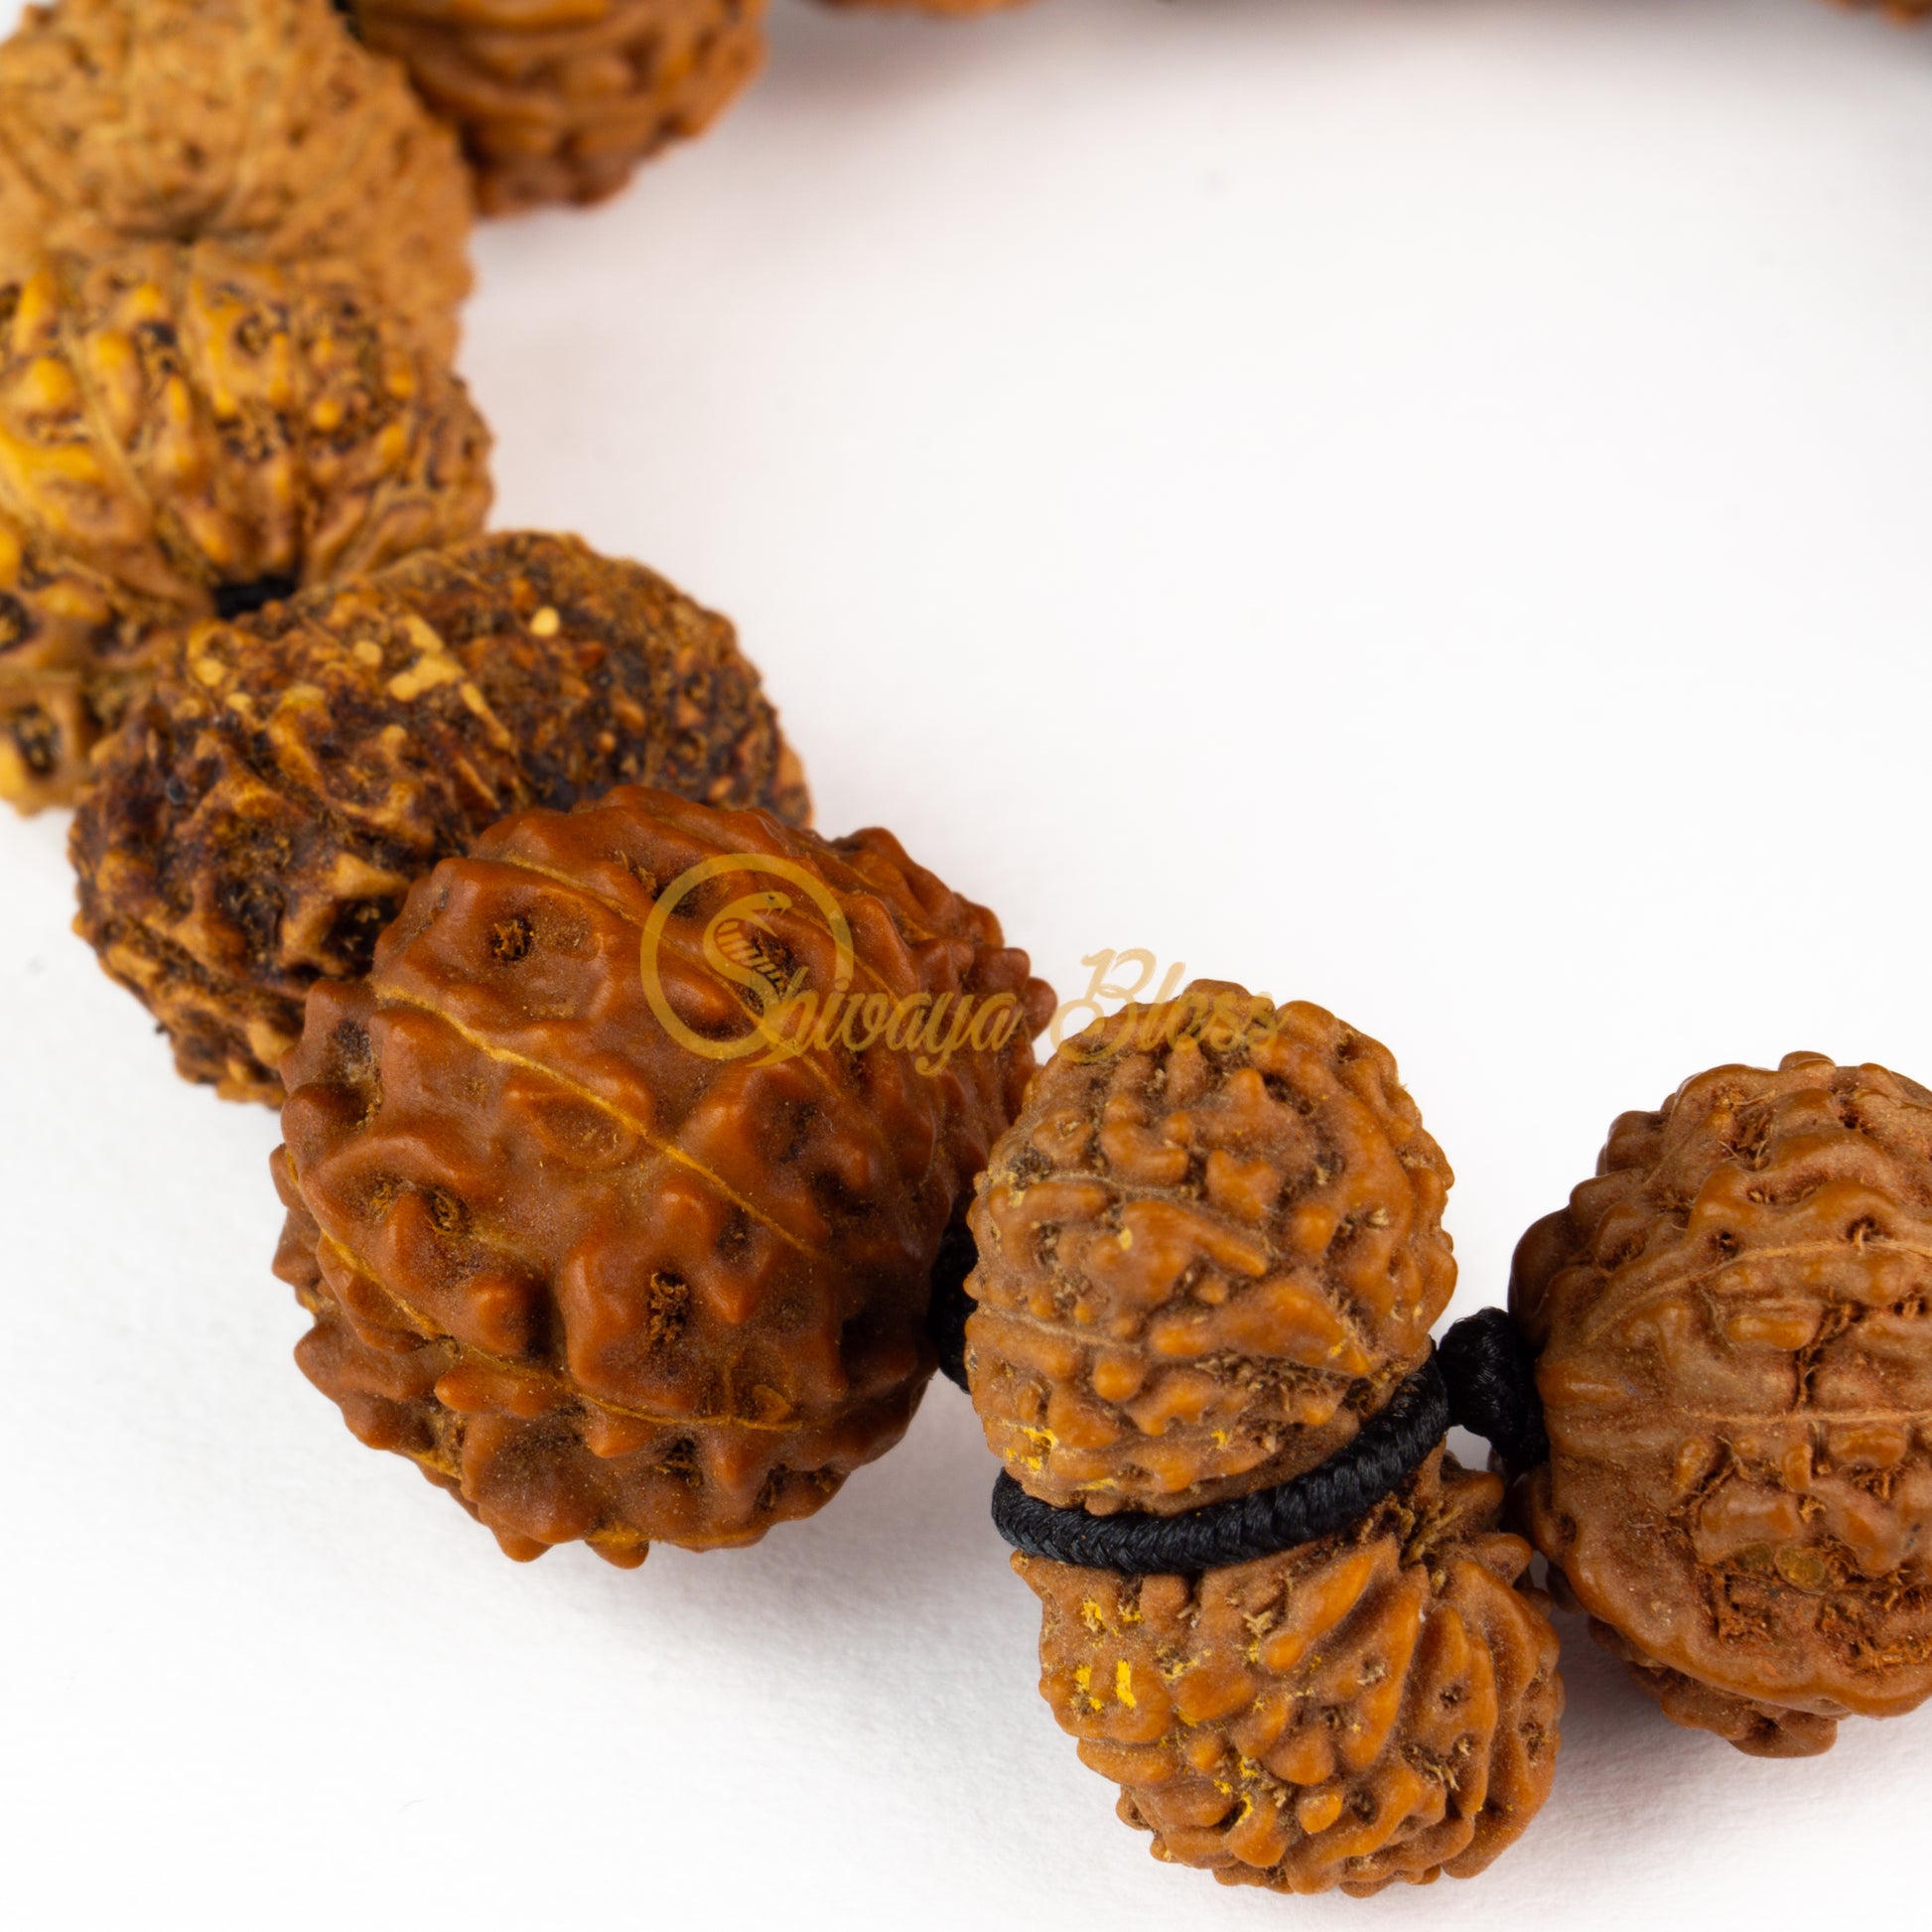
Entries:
{"x":232,"y":600}
{"x":1491,"y":1378}
{"x":950,"y":1304}
{"x":1390,"y":1446}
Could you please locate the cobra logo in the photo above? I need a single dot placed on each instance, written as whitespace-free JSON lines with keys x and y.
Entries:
{"x":743,"y":947}
{"x":740,"y":946}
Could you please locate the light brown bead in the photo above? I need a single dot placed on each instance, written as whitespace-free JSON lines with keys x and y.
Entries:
{"x":1210,"y":1247}
{"x":179,"y":425}
{"x":1735,"y":1354}
{"x":256,"y":123}
{"x":1204,"y":1259}
{"x":598,"y":1283}
{"x":559,"y":100}
{"x":1378,"y":1704}
{"x":258,"y":819}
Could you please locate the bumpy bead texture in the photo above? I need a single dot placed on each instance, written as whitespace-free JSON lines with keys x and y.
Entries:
{"x":598,"y":1283}
{"x":256,"y":822}
{"x":1379,"y":1705}
{"x":558,"y":100}
{"x":257,"y":123}
{"x":1210,"y":1255}
{"x":1201,"y":1265}
{"x":1735,"y":1357}
{"x":177,"y":422}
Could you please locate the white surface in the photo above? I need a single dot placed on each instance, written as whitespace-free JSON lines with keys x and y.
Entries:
{"x":1418,"y":506}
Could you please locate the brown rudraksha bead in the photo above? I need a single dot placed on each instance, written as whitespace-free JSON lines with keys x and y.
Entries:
{"x":578,"y":1233}
{"x":1735,"y":1356}
{"x":256,"y":821}
{"x":182,"y":431}
{"x":1376,"y":1705}
{"x":1201,"y":1263}
{"x":559,"y":100}
{"x":1210,"y":1251}
{"x":256,"y":123}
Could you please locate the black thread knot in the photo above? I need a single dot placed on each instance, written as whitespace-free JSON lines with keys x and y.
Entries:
{"x":1385,"y":1453}
{"x":1491,"y":1378}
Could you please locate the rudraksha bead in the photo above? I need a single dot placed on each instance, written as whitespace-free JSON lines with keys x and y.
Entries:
{"x":576,"y":1232}
{"x":1734,"y":1330}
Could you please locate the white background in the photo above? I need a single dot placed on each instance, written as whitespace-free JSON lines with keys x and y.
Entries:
{"x":1420,"y":506}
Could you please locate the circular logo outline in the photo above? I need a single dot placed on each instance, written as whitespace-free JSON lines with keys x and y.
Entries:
{"x":837,"y":926}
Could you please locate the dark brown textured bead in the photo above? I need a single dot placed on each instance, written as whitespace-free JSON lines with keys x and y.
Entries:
{"x":1210,"y":1246}
{"x":259,"y":124}
{"x":559,"y":100}
{"x":259,"y":816}
{"x":1203,"y":1261}
{"x":1735,"y":1355}
{"x":1377,"y":1705}
{"x":178,"y":426}
{"x":601,"y":1284}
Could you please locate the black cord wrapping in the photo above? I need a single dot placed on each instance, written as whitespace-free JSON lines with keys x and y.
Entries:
{"x":1481,"y":1378}
{"x":950,"y":1304}
{"x":1491,"y":1379}
{"x":1388,"y":1449}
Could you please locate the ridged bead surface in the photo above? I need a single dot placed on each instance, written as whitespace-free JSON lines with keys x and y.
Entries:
{"x":178,"y":422}
{"x":1375,"y":1706}
{"x":594,"y":1282}
{"x":1733,"y":1327}
{"x":256,"y":821}
{"x":1201,"y":1263}
{"x":259,"y":124}
{"x":559,"y":100}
